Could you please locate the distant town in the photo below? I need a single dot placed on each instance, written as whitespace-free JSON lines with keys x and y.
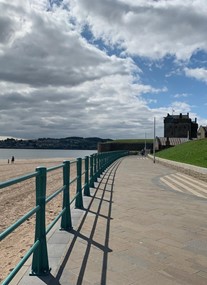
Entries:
{"x":177,"y":129}
{"x":53,"y":143}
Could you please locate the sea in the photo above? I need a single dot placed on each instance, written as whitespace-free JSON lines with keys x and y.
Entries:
{"x":43,"y":153}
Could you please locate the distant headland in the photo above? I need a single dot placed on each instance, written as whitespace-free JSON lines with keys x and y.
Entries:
{"x":89,"y":143}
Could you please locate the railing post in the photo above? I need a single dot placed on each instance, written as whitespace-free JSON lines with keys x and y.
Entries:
{"x":107,"y":159}
{"x":40,"y":264}
{"x":91,"y":171}
{"x":99,"y":164}
{"x":79,"y":198}
{"x":104,"y":162}
{"x":95,"y":167}
{"x":66,"y":223}
{"x":86,"y":188}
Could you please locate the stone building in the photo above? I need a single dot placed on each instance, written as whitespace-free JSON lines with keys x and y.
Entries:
{"x":202,"y":132}
{"x":180,"y":126}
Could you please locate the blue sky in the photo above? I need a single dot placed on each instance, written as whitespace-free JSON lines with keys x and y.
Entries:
{"x":100,"y":67}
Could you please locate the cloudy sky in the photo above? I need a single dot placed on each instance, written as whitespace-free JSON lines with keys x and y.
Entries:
{"x":101,"y":68}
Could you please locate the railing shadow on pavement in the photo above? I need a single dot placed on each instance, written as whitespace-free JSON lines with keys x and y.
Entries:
{"x":89,"y":240}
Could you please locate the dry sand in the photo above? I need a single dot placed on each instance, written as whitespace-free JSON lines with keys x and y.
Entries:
{"x":17,"y":200}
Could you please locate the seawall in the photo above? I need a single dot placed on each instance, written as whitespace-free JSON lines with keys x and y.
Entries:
{"x":103,"y":147}
{"x":192,"y":170}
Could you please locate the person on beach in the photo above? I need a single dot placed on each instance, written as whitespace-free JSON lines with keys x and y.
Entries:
{"x":12,"y":159}
{"x":8,"y":161}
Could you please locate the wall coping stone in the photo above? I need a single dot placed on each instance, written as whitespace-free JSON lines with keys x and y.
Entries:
{"x":192,"y":170}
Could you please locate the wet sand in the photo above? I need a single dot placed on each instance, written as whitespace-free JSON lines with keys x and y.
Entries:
{"x":17,"y":200}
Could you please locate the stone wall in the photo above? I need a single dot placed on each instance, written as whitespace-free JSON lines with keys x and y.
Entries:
{"x":192,"y":170}
{"x":103,"y":147}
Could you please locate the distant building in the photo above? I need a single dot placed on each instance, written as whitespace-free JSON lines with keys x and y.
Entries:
{"x":180,"y":126}
{"x":166,"y":142}
{"x":202,"y":132}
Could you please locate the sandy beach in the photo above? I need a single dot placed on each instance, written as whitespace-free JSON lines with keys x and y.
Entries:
{"x":17,"y":200}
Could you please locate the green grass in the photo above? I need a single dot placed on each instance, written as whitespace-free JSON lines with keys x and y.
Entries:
{"x":192,"y":152}
{"x":132,"y":141}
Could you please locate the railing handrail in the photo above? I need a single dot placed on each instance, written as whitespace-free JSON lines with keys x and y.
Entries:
{"x":94,"y":166}
{"x":16,"y":180}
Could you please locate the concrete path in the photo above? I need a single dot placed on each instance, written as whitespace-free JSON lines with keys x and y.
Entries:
{"x":137,"y":229}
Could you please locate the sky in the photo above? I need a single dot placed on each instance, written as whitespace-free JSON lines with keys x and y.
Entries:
{"x":100,"y":68}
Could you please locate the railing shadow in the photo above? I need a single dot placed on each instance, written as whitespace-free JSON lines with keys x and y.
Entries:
{"x":89,"y":240}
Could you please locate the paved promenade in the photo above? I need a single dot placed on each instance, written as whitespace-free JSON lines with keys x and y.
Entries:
{"x":136,"y":230}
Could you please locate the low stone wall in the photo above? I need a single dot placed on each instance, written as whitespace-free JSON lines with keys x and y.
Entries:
{"x":192,"y":170}
{"x":103,"y":147}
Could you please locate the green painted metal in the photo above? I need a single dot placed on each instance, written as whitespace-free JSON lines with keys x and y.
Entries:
{"x":79,"y":198}
{"x":55,"y":167}
{"x":91,"y":171}
{"x":17,"y":180}
{"x":86,"y":187}
{"x":52,"y":196}
{"x":40,"y":263}
{"x":18,"y":223}
{"x":66,"y":222}
{"x":20,"y":264}
{"x":100,"y":162}
{"x":94,"y":166}
{"x":74,"y":198}
{"x":51,"y":225}
{"x":97,"y":165}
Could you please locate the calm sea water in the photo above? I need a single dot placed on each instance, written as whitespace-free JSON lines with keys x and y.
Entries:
{"x":43,"y":153}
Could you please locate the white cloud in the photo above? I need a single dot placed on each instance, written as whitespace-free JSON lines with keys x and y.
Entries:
{"x":181,"y":107}
{"x":39,"y":4}
{"x":181,"y":95}
{"x":146,"y":28}
{"x":197,"y":73}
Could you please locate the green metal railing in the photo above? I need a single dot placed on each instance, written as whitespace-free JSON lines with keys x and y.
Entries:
{"x":87,"y":172}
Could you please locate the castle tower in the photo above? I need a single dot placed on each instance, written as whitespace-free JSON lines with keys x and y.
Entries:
{"x":180,"y":126}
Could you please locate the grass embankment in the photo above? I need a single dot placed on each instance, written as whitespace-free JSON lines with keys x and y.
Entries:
{"x":132,"y":141}
{"x":192,"y":152}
